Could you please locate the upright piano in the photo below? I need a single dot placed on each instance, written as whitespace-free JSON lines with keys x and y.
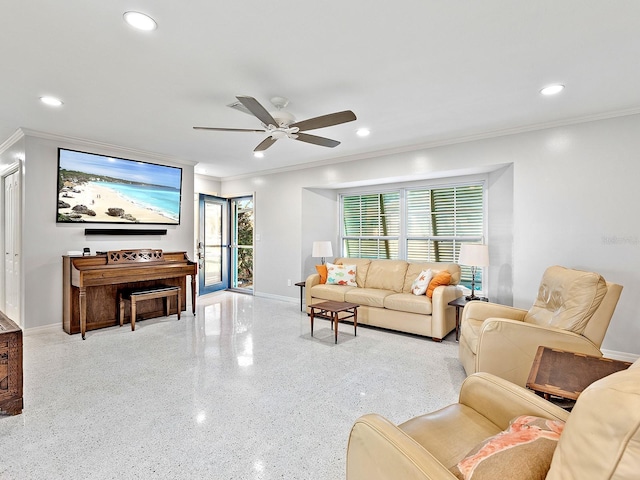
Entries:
{"x":91,"y":285}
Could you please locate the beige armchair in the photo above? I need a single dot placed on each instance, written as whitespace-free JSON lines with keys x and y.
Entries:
{"x":572,"y":312}
{"x":600,"y":439}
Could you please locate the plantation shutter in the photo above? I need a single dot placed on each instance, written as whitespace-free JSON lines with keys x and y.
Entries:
{"x":430,"y":228}
{"x":371,"y":225}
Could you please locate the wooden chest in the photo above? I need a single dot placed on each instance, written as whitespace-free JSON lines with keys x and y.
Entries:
{"x":10,"y":367}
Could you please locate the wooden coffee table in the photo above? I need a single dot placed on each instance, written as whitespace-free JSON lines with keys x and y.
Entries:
{"x":331,"y":310}
{"x":566,"y":374}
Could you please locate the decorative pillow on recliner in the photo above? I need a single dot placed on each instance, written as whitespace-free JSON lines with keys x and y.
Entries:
{"x":420,"y":284}
{"x":440,"y":278}
{"x":341,"y":275}
{"x":322,"y":271}
{"x":521,"y":452}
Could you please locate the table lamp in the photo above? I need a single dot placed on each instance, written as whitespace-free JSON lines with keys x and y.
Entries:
{"x":474,"y":255}
{"x":322,"y":249}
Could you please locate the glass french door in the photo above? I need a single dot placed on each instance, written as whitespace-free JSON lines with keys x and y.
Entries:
{"x":241,"y":250}
{"x":225,"y":247}
{"x":213,"y":245}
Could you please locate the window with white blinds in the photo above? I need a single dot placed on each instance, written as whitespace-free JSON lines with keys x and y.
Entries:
{"x":415,"y":224}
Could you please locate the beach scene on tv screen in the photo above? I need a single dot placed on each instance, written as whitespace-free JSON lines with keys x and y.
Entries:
{"x":100,"y":189}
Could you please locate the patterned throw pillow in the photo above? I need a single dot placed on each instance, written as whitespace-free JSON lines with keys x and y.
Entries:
{"x":341,"y":275}
{"x":521,"y":452}
{"x":440,"y":278}
{"x":420,"y":284}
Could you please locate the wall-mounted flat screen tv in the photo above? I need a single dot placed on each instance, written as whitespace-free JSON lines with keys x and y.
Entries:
{"x":100,"y":189}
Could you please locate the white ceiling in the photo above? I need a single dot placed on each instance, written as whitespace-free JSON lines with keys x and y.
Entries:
{"x":416,"y":72}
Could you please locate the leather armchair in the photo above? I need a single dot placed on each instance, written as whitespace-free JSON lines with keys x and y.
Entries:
{"x":572,"y":312}
{"x":425,"y":447}
{"x":601,"y":437}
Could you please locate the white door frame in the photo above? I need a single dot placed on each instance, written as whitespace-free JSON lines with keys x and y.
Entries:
{"x":11,"y":221}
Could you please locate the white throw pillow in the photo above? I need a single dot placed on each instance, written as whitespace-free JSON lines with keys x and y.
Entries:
{"x":420,"y":284}
{"x":341,"y":275}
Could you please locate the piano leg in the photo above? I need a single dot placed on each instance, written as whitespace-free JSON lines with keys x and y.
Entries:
{"x":193,"y":294}
{"x":83,"y":311}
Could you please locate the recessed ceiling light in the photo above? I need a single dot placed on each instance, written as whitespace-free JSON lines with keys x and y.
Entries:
{"x":51,"y":101}
{"x":363,"y":132}
{"x":552,"y":89}
{"x":258,"y":154}
{"x":140,"y":21}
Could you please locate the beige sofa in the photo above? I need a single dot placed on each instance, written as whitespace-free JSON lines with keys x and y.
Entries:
{"x":385,"y":298}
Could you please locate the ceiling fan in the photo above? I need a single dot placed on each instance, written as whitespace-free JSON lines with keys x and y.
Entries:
{"x":281,"y":123}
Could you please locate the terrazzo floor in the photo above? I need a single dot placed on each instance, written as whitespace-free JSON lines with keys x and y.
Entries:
{"x":241,"y":391}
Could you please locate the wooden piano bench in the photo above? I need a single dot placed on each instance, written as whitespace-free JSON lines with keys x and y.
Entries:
{"x":148,"y":293}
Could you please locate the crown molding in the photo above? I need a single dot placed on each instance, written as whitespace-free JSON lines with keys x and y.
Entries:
{"x":106,"y":146}
{"x":17,"y":135}
{"x":444,"y":142}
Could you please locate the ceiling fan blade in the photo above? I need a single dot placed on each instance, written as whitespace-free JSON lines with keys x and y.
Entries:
{"x":325,"y":142}
{"x":325,"y":120}
{"x":258,"y":110}
{"x":229,"y":129}
{"x":266,"y":143}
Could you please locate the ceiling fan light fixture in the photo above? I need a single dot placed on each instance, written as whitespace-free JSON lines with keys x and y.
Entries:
{"x":552,"y":89}
{"x":363,"y":132}
{"x":258,"y":154}
{"x":140,"y":21}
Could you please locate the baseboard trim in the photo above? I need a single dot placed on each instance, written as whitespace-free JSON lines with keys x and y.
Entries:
{"x":43,"y":329}
{"x":622,"y":356}
{"x":277,"y":297}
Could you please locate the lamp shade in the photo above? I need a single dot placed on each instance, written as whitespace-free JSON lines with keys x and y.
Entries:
{"x":322,"y":249}
{"x":473,"y":254}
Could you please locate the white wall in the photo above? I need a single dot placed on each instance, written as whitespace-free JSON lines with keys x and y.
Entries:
{"x":556,"y":196}
{"x":44,"y":242}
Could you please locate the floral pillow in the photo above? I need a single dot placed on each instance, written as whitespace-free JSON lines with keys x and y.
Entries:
{"x":420,"y":284}
{"x":341,"y":275}
{"x":521,"y":452}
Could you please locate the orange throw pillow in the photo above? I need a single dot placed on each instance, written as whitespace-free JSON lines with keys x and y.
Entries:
{"x":322,"y":271}
{"x":440,"y":278}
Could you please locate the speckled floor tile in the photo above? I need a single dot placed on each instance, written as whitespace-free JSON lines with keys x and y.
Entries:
{"x":241,"y":391}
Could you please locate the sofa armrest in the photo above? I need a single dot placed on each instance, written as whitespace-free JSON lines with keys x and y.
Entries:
{"x":379,"y":450}
{"x":507,"y":348}
{"x":482,"y":310}
{"x":442,"y":295}
{"x":500,"y":400}
{"x":313,"y":279}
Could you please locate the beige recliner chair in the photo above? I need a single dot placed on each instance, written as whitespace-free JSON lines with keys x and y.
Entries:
{"x":572,"y":312}
{"x":600,"y":440}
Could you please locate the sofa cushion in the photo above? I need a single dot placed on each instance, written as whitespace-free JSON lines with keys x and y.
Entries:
{"x":386,"y":275}
{"x":341,"y":275}
{"x":371,"y":297}
{"x":407,"y":302}
{"x":567,"y":299}
{"x":329,"y":292}
{"x":362,"y":267}
{"x":522,"y":452}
